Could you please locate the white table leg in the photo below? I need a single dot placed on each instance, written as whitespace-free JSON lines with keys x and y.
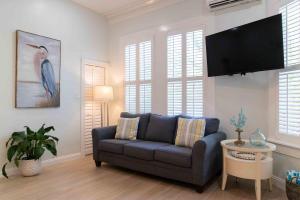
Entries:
{"x":224,"y":180}
{"x":270,"y":179}
{"x":258,"y":157}
{"x":270,"y":184}
{"x":258,"y":189}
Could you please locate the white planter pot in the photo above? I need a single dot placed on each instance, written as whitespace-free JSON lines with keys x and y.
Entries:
{"x":30,"y":167}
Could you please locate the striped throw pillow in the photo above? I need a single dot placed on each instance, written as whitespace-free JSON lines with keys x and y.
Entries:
{"x":189,"y":131}
{"x":127,"y":128}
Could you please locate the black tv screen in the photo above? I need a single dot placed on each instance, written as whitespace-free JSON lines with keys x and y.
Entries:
{"x":257,"y":46}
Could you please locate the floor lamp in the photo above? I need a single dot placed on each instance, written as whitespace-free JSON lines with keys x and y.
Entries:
{"x":104,"y":94}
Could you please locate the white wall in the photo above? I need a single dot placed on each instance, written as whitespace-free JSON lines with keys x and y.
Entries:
{"x":230,"y":92}
{"x":82,"y":34}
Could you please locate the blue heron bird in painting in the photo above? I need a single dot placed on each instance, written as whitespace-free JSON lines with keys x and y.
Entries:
{"x":47,"y":72}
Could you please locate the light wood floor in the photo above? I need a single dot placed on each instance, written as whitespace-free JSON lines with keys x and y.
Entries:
{"x":81,"y":180}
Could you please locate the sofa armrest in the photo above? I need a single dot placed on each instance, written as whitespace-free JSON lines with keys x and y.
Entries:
{"x":102,"y":134}
{"x":207,"y":158}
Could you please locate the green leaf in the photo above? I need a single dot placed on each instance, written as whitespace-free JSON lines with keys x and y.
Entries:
{"x":48,"y":129}
{"x":29,"y":131}
{"x":16,"y":162}
{"x":38,"y":152}
{"x":42,"y":129}
{"x":11,"y":152}
{"x":52,"y":150}
{"x":18,"y":134}
{"x":18,"y":157}
{"x":54,"y":138}
{"x":24,"y":146}
{"x":40,"y":137}
{"x":16,"y":137}
{"x":50,"y":146}
{"x":8,"y":141}
{"x":4,"y":171}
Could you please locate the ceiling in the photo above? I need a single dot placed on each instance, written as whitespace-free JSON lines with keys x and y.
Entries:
{"x":109,"y":7}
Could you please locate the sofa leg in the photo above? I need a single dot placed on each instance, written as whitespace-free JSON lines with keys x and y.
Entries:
{"x":199,"y":189}
{"x":98,"y":163}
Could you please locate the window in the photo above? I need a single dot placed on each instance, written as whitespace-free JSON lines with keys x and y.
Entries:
{"x":138,"y":75}
{"x":289,"y":79}
{"x":185,"y":84}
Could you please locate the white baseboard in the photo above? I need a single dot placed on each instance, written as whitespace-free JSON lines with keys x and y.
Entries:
{"x":61,"y":159}
{"x":49,"y":162}
{"x":278,"y":182}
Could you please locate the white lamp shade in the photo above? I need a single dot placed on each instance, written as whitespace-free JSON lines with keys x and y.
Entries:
{"x":103,"y":93}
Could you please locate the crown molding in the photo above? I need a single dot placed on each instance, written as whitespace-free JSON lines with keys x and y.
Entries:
{"x":136,"y":9}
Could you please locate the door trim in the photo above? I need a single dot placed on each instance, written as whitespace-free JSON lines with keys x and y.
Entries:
{"x":85,"y":62}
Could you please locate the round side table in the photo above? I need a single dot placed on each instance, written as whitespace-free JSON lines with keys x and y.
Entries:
{"x":259,"y":169}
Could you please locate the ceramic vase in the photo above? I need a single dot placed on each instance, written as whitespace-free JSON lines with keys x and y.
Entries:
{"x":30,"y":167}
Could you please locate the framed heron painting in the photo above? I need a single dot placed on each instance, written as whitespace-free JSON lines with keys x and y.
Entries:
{"x":38,"y":71}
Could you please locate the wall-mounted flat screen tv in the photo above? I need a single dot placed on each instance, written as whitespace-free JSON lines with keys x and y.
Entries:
{"x":257,"y":46}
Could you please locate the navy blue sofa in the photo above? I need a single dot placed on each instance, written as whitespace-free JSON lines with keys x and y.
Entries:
{"x":154,"y":151}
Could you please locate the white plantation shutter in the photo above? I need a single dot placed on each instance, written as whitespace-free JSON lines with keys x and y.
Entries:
{"x":130,"y":78}
{"x":145,"y":68}
{"x":174,"y":65}
{"x":145,"y":98}
{"x":185,"y":86}
{"x":130,"y":98}
{"x":138,"y":75}
{"x":175,"y":56}
{"x":194,"y":46}
{"x":289,"y":80}
{"x":194,"y":95}
{"x":92,"y":109}
{"x":174,"y":98}
{"x":289,"y":102}
{"x":291,"y":32}
{"x":145,"y":61}
{"x":130,"y":63}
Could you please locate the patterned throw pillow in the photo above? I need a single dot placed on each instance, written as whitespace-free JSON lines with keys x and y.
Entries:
{"x":127,"y":128}
{"x":189,"y":131}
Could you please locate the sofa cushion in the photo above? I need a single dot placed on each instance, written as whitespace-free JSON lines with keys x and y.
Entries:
{"x":113,"y":145}
{"x":143,"y":149}
{"x":179,"y":156}
{"x":161,"y":128}
{"x":212,"y":124}
{"x":127,"y":128}
{"x":143,"y":123}
{"x":189,"y":131}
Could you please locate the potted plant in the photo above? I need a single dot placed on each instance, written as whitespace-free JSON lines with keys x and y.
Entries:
{"x":25,"y":149}
{"x":293,"y":185}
